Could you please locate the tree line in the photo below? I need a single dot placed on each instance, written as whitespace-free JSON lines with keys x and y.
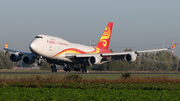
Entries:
{"x":5,"y":62}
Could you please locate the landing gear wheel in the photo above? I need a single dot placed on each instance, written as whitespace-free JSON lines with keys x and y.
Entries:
{"x":77,"y":69}
{"x":67,"y":67}
{"x":84,"y":69}
{"x":40,"y":61}
{"x":53,"y":68}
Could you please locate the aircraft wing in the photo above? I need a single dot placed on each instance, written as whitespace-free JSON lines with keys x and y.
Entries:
{"x":110,"y":54}
{"x":116,"y":53}
{"x":155,"y":50}
{"x":13,"y":50}
{"x":136,"y":52}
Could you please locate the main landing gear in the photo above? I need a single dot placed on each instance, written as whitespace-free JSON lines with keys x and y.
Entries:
{"x":53,"y":68}
{"x":67,"y":68}
{"x":84,"y":70}
{"x":77,"y":69}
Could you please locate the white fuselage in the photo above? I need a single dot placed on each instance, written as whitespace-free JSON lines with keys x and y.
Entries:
{"x":56,"y":48}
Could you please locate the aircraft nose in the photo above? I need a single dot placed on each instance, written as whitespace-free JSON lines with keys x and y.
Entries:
{"x":32,"y":46}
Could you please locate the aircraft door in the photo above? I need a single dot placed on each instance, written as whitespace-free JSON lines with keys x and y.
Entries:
{"x":51,"y":45}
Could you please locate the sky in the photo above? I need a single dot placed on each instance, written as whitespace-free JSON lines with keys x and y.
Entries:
{"x":138,"y":24}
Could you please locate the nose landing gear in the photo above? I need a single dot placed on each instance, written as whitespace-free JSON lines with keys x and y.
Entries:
{"x":40,"y":61}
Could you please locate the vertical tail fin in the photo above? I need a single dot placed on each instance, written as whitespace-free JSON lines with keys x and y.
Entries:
{"x":174,"y":46}
{"x":6,"y":46}
{"x":105,"y":38}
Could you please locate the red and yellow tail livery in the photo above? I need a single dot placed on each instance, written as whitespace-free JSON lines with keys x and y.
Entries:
{"x":6,"y":46}
{"x":105,"y":38}
{"x":174,"y":45}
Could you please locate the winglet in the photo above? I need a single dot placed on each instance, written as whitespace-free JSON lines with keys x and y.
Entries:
{"x":6,"y":46}
{"x":174,"y":46}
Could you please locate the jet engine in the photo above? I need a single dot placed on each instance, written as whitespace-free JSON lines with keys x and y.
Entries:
{"x":130,"y":57}
{"x":15,"y":57}
{"x":94,"y":60}
{"x":28,"y":60}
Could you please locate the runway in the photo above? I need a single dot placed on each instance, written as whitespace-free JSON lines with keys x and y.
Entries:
{"x":82,"y":73}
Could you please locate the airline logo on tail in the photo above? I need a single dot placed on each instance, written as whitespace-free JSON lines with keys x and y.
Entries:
{"x":105,"y":38}
{"x":174,"y":45}
{"x":6,"y":46}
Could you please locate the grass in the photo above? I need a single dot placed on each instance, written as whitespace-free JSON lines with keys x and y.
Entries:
{"x":59,"y":94}
{"x":98,"y":76}
{"x":145,"y":87}
{"x":74,"y":81}
{"x":88,"y":76}
{"x":172,"y":76}
{"x":23,"y":70}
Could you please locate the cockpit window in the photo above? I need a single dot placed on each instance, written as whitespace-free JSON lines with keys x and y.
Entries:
{"x":38,"y":37}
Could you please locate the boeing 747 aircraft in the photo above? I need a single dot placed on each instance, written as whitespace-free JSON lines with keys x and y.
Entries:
{"x":61,"y":52}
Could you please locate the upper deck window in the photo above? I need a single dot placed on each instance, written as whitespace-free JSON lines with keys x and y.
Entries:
{"x":38,"y":37}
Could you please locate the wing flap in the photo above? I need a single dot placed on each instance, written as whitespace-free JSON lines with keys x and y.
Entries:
{"x":69,"y":55}
{"x":113,"y":54}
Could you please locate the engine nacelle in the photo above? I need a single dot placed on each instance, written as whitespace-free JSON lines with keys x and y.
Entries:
{"x":28,"y":60}
{"x":130,"y":57}
{"x":15,"y":57}
{"x":94,"y":60}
